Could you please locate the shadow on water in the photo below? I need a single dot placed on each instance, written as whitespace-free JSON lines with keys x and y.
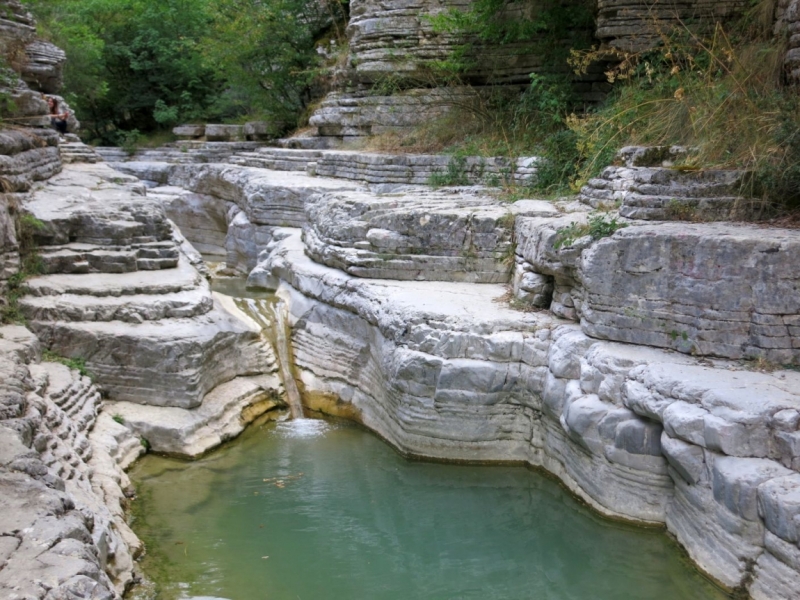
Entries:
{"x":316,"y":510}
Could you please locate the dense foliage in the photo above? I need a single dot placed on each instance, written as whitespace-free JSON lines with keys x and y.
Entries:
{"x":141,"y":65}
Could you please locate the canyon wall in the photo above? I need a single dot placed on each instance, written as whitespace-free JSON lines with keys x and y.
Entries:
{"x":389,"y":80}
{"x":643,"y":369}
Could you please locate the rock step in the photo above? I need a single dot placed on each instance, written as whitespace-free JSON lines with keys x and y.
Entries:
{"x":275,"y":159}
{"x":421,"y":168}
{"x":659,"y":193}
{"x":130,"y":308}
{"x":94,"y":204}
{"x":415,"y":234}
{"x":102,"y":285}
{"x":89,"y":258}
{"x":183,"y":152}
{"x":78,"y":152}
{"x":223,"y":414}
{"x":172,"y":361}
{"x":369,"y":167}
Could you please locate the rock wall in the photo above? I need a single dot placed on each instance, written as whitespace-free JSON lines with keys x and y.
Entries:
{"x":444,"y":371}
{"x":389,"y":83}
{"x":39,"y":63}
{"x":63,"y":526}
{"x":722,"y":290}
{"x":633,"y":26}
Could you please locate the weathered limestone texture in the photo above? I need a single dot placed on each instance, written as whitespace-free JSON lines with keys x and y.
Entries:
{"x":388,"y":83}
{"x":254,"y":201}
{"x":9,"y":248}
{"x":368,"y":167}
{"x":189,"y":131}
{"x":422,"y":168}
{"x":39,"y":63}
{"x":356,"y":114}
{"x":123,"y":293}
{"x":635,"y":26}
{"x":391,"y":39}
{"x":223,"y":133}
{"x":27,"y":156}
{"x":73,"y":150}
{"x":712,"y":289}
{"x":787,"y":13}
{"x":44,"y":68}
{"x":442,"y":370}
{"x":646,"y":186}
{"x":414,"y":233}
{"x":184,"y":151}
{"x":61,"y":480}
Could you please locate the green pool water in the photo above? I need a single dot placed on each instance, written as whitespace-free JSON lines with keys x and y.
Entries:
{"x":312,"y":510}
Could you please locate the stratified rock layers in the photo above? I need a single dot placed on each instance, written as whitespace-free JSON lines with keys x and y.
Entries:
{"x":441,"y":370}
{"x":63,"y":525}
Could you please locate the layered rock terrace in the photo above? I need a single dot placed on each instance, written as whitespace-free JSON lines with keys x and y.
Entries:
{"x":668,"y":427}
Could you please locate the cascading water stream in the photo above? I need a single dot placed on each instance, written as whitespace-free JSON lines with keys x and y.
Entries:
{"x":273,"y":318}
{"x":285,"y":358}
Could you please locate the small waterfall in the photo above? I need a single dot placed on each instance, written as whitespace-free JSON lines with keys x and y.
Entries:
{"x":273,"y":318}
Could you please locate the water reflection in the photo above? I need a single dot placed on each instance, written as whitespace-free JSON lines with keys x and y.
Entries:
{"x":306,"y":509}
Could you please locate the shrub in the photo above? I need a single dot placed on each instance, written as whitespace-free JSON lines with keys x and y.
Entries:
{"x":598,"y":227}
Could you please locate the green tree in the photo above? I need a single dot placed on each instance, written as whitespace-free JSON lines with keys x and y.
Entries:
{"x":265,"y":50}
{"x":133,"y":64}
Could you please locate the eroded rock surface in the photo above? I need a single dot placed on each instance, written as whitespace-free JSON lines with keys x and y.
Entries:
{"x":63,"y":527}
{"x":159,"y":340}
{"x":708,"y":289}
{"x":442,"y":370}
{"x":413,"y":233}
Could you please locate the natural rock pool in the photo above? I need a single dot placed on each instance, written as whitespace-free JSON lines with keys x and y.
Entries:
{"x":313,"y":510}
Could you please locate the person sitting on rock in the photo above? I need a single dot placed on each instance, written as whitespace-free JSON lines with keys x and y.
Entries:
{"x":57,"y":119}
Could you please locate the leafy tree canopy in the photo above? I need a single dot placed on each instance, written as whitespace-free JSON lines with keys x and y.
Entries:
{"x":143,"y":65}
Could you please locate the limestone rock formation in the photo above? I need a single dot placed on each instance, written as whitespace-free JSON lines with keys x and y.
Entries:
{"x":452,"y":235}
{"x":26,"y":156}
{"x":39,"y":63}
{"x":64,"y":531}
{"x":151,"y":340}
{"x":389,"y":82}
{"x":44,"y":68}
{"x":239,"y":205}
{"x":446,"y":369}
{"x":653,"y":192}
{"x":440,"y":370}
{"x":634,"y":26}
{"x":707,"y":289}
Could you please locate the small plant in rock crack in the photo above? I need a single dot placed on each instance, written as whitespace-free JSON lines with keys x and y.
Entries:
{"x":79,"y":364}
{"x":598,"y":227}
{"x":454,"y":174}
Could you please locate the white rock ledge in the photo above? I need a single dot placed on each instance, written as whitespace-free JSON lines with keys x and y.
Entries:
{"x":443,"y":370}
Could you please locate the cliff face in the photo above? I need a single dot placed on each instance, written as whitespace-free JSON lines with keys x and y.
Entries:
{"x":622,"y":374}
{"x":633,"y":26}
{"x":39,"y":63}
{"x":388,"y":83}
{"x":390,"y":79}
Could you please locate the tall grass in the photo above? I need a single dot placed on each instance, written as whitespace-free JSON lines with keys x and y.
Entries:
{"x":720,"y":95}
